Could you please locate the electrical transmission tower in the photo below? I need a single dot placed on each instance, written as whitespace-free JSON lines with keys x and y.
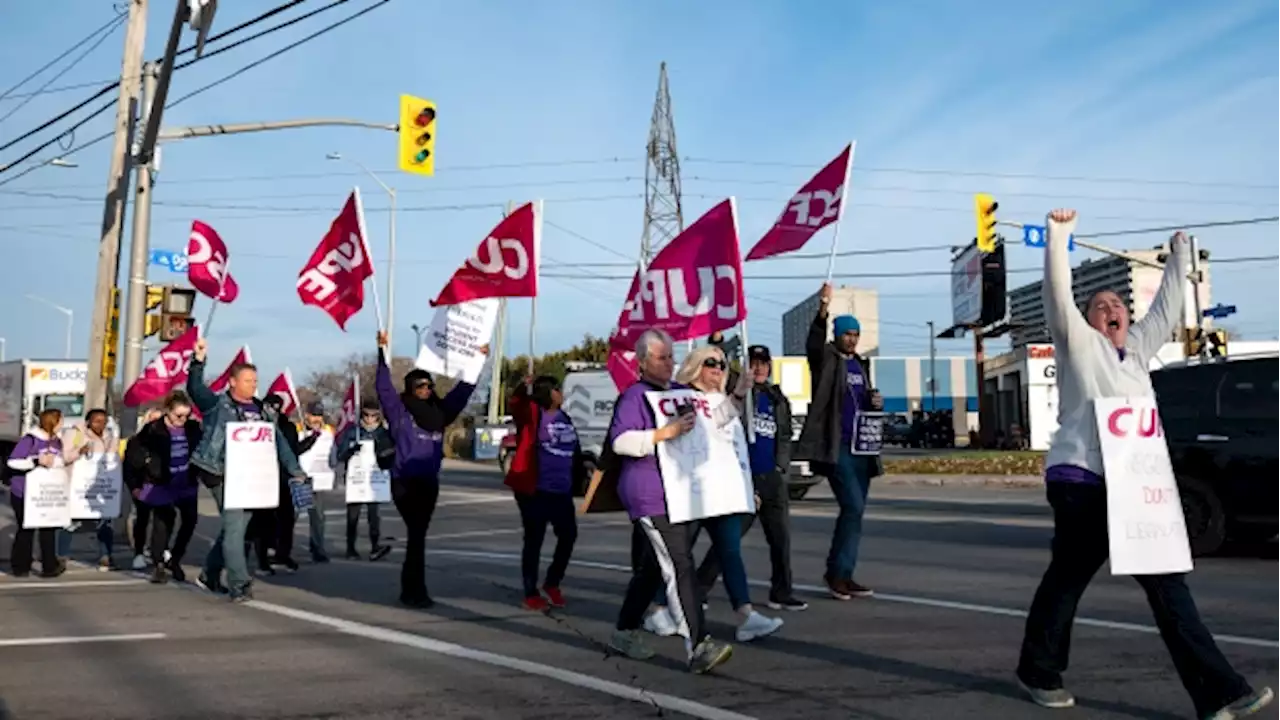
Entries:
{"x":663,"y":217}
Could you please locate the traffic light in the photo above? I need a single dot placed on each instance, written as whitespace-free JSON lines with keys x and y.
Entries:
{"x":176,"y":309}
{"x":417,"y":135}
{"x":1217,"y":343}
{"x":1211,"y":343}
{"x":111,"y":340}
{"x":152,"y":323}
{"x":984,"y":212}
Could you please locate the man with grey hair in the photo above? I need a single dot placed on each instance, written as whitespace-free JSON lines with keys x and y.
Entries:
{"x":668,"y":557}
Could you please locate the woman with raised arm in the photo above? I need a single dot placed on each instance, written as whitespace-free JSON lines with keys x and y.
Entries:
{"x":1100,"y":355}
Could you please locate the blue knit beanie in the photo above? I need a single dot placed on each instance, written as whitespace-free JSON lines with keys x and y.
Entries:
{"x":846,"y":323}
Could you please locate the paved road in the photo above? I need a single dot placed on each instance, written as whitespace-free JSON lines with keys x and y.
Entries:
{"x":953,"y":567}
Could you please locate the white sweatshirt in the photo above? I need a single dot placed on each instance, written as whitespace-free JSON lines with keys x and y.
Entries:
{"x":1089,"y":367}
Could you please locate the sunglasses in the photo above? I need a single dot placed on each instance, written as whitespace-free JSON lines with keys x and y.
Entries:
{"x":714,"y":363}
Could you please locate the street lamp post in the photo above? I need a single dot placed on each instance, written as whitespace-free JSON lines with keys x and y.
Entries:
{"x":391,"y":246}
{"x":2,"y":347}
{"x":65,"y":311}
{"x":417,"y":331}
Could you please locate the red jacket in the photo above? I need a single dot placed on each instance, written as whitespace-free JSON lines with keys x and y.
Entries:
{"x":522,"y":475}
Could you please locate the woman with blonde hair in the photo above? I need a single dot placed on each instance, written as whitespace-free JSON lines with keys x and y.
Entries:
{"x":705,"y":369}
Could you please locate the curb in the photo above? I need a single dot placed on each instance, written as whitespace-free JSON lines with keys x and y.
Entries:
{"x":1004,"y":481}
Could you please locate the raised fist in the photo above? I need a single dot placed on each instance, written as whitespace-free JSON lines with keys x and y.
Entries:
{"x":201,"y":349}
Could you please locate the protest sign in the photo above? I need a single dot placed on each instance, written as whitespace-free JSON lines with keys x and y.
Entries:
{"x":366,"y":482}
{"x":705,"y":472}
{"x":451,"y":346}
{"x":1145,"y":524}
{"x":96,"y":484}
{"x":868,"y":433}
{"x":252,"y":480}
{"x":315,"y":463}
{"x":46,"y":502}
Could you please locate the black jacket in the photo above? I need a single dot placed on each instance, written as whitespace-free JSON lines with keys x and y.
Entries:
{"x":820,"y":439}
{"x":347,"y":444}
{"x":782,"y":416}
{"x":147,"y":454}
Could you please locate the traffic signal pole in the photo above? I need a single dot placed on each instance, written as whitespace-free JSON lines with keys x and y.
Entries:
{"x":139,"y":256}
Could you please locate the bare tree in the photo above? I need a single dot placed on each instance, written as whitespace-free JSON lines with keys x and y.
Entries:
{"x":329,"y":385}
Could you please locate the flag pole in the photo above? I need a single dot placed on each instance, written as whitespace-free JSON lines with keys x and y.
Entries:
{"x":364,"y":246}
{"x":844,"y":195}
{"x":537,"y":265}
{"x":748,"y":403}
{"x":222,"y":283}
{"x":293,"y":390}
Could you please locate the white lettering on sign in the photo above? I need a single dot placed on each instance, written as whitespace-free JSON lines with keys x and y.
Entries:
{"x":802,"y":205}
{"x":344,"y":258}
{"x":216,"y":263}
{"x":497,"y":262}
{"x":172,"y":363}
{"x":665,"y":290}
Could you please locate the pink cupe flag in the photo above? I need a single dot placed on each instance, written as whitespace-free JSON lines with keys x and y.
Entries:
{"x":166,"y":371}
{"x":207,"y":260}
{"x":505,"y":264}
{"x":818,"y":204}
{"x":283,"y":387}
{"x":333,"y":279}
{"x":692,"y":287}
{"x":350,"y":406}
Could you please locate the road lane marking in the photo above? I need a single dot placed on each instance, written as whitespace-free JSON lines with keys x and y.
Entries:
{"x":587,"y":682}
{"x":509,"y":558}
{"x":79,"y":639}
{"x":52,"y":584}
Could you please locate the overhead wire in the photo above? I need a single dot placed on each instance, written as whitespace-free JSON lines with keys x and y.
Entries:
{"x":102,"y":34}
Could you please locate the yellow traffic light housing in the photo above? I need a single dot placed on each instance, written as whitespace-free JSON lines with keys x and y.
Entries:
{"x":1217,"y":343}
{"x":176,"y":308}
{"x":984,"y":211}
{"x":111,"y":339}
{"x":155,"y":296}
{"x":417,"y":151}
{"x":152,"y":325}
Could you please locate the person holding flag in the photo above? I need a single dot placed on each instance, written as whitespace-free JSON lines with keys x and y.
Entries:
{"x":417,"y":419}
{"x":369,"y":428}
{"x":313,"y":429}
{"x":237,"y":404}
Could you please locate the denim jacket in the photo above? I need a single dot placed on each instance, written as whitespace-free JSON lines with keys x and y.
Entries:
{"x":218,"y":410}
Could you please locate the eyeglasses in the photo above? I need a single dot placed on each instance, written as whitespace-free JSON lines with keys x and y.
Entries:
{"x":714,"y":363}
{"x":180,"y":415}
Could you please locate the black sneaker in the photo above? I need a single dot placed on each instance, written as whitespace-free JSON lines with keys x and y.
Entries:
{"x":352,"y":554}
{"x":787,"y":602}
{"x":838,"y":588}
{"x":23,"y":574}
{"x":57,"y":571}
{"x":264,"y":571}
{"x":379,"y":552}
{"x":319,"y":559}
{"x":204,"y":582}
{"x":176,"y":572}
{"x":159,"y":575}
{"x":858,"y":591}
{"x":421,"y":603}
{"x":289,"y":564}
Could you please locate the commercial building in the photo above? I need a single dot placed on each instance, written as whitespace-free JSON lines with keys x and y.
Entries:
{"x":1022,"y":386}
{"x":862,"y":303}
{"x":1136,"y":284}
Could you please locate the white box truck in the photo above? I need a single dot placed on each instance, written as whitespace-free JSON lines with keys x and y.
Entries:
{"x":28,"y":387}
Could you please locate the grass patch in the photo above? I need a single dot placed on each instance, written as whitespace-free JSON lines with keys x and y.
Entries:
{"x":969,"y":462}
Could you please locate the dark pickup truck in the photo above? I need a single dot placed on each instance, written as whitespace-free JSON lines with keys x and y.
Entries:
{"x":1222,"y":423}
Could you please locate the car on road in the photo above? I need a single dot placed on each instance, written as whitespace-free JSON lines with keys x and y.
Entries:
{"x":897,"y":430}
{"x":1222,"y":425}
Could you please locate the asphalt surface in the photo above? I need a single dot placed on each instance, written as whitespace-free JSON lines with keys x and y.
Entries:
{"x":953,"y":568}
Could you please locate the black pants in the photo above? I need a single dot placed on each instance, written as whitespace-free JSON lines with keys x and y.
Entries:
{"x":667,"y":560}
{"x":20,"y":556}
{"x":415,"y":499}
{"x":536,"y":512}
{"x":1079,"y":548}
{"x":163,"y":519}
{"x":283,"y":521}
{"x":353,"y":519}
{"x":774,"y":514}
{"x":188,"y":514}
{"x":140,"y":522}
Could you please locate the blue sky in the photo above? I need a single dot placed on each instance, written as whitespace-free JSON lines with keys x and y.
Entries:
{"x":1180,"y":96}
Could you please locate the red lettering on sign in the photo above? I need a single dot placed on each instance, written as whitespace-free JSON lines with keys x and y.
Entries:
{"x":1158,"y":496}
{"x":248,"y":434}
{"x":1148,"y":422}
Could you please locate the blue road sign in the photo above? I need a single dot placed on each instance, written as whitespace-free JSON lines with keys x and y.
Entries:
{"x":1220,"y":311}
{"x":171,"y":260}
{"x":1036,"y":236}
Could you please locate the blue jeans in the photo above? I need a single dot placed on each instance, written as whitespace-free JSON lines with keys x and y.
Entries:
{"x":850,"y":483}
{"x":315,"y":523}
{"x":105,"y":532}
{"x":228,"y":550}
{"x":726,"y":544}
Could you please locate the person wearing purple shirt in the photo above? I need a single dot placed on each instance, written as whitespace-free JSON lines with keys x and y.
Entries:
{"x":158,"y":463}
{"x":668,"y":557}
{"x":841,"y":387}
{"x":542,"y":476}
{"x":40,"y":447}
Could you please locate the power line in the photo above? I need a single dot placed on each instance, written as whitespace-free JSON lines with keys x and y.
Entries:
{"x":1175,"y":228}
{"x":104,"y":32}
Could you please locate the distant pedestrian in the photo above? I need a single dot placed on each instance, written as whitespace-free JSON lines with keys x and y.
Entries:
{"x":369,"y":428}
{"x":39,"y":447}
{"x":313,"y":428}
{"x":546,"y":466}
{"x":840,"y":380}
{"x":94,"y":437}
{"x":139,"y":538}
{"x":417,"y":418}
{"x":1100,"y":355}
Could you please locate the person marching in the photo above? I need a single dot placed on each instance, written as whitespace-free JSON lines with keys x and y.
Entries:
{"x":278,"y":524}
{"x":1100,"y":355}
{"x":39,"y":447}
{"x":841,"y":383}
{"x":139,"y":539}
{"x":668,"y":558}
{"x":237,"y":404}
{"x":704,"y":369}
{"x":344,"y":448}
{"x":417,"y":419}
{"x":770,"y":457}
{"x":94,"y":437}
{"x":159,"y":477}
{"x":313,"y":427}
{"x":547,"y":464}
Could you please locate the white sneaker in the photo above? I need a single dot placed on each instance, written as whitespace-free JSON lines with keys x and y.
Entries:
{"x":167,"y":557}
{"x":660,"y":623}
{"x":139,"y":562}
{"x":757,"y":626}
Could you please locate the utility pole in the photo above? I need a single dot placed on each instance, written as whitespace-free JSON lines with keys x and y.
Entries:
{"x":139,"y":255}
{"x":984,"y":410}
{"x":933,"y":373}
{"x":114,"y":210}
{"x":1196,"y":278}
{"x":663,"y":215}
